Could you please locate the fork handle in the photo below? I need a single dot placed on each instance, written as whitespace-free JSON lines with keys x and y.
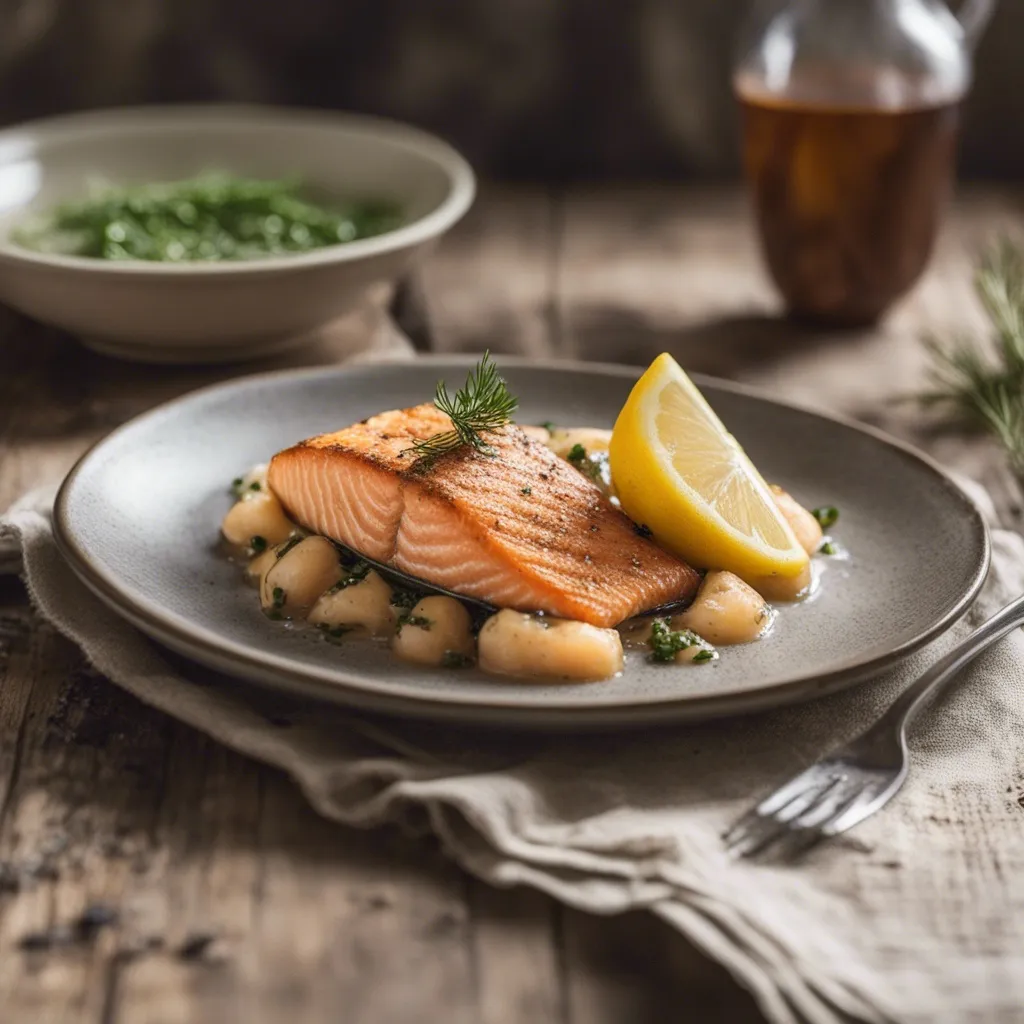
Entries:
{"x":922,"y":691}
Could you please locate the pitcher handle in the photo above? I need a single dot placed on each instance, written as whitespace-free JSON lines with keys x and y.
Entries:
{"x":974,"y":16}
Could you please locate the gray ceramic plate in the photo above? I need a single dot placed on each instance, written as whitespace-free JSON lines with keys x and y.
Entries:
{"x":138,"y":520}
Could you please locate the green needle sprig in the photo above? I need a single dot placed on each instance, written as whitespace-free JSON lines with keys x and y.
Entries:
{"x":981,"y":390}
{"x":483,"y":404}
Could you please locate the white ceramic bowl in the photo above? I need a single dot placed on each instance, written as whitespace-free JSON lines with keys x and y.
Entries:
{"x":189,"y":312}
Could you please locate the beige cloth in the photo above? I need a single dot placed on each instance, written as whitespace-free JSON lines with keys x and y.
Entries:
{"x":918,"y":917}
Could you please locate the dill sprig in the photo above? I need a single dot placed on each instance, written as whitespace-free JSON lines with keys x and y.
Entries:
{"x":985,"y":390}
{"x":483,"y":404}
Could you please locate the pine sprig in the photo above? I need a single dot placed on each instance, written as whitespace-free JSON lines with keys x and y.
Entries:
{"x":983,"y":391}
{"x":482,"y":405}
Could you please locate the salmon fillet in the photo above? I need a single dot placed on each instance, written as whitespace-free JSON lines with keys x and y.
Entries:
{"x":519,"y":529}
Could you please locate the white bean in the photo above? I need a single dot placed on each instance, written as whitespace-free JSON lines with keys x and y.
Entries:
{"x":295,"y":581}
{"x":689,"y":655}
{"x":593,"y":439}
{"x":785,"y":588}
{"x":256,"y":475}
{"x":541,"y":434}
{"x":726,"y":611}
{"x":805,"y":527}
{"x":259,"y":566}
{"x":439,"y":630}
{"x":257,"y":514}
{"x":364,"y":605}
{"x":517,"y":644}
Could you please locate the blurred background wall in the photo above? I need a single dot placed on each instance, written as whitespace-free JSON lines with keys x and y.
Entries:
{"x":526,"y":88}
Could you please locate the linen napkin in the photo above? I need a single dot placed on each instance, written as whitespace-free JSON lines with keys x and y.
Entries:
{"x":891,"y":924}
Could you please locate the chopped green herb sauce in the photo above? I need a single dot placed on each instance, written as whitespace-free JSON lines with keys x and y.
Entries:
{"x":665,"y":642}
{"x":257,"y":544}
{"x":289,"y":544}
{"x":702,"y":656}
{"x":456,"y":659}
{"x":402,"y":598}
{"x":414,"y":620}
{"x":356,"y":574}
{"x":643,"y":530}
{"x":827,"y":516}
{"x":279,"y":597}
{"x":527,"y":490}
{"x":548,"y":426}
{"x":828,"y":548}
{"x":594,"y":467}
{"x":213,"y":217}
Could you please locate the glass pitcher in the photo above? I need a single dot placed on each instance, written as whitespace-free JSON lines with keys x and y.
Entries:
{"x":850,"y":114}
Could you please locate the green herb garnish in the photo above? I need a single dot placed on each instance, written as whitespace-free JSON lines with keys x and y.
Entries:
{"x":213,"y":217}
{"x":827,"y":516}
{"x":702,"y":656}
{"x":257,"y":544}
{"x":414,"y":620}
{"x":643,"y":530}
{"x":548,"y":426}
{"x":255,"y":486}
{"x":981,"y":391}
{"x":356,"y":574}
{"x":484,"y":404}
{"x":296,"y":538}
{"x":456,"y":659}
{"x":402,"y":598}
{"x":665,"y":642}
{"x":279,"y":597}
{"x":828,"y":548}
{"x":593,"y":467}
{"x":236,"y":486}
{"x":527,"y":490}
{"x":334,"y":632}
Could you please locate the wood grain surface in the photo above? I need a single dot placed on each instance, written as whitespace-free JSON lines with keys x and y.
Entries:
{"x":149,"y":875}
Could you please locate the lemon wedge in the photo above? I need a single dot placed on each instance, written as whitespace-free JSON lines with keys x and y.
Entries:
{"x":681,"y":473}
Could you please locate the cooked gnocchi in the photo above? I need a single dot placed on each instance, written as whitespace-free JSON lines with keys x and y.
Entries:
{"x":805,"y":527}
{"x":257,"y":519}
{"x":356,"y":603}
{"x":438,"y":631}
{"x":562,"y":440}
{"x":515,"y":643}
{"x":726,"y":611}
{"x":301,"y":572}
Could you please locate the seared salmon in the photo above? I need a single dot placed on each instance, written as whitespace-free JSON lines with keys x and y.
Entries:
{"x":518,"y":528}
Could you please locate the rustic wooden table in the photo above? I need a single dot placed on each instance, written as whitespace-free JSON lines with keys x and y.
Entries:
{"x":149,"y":875}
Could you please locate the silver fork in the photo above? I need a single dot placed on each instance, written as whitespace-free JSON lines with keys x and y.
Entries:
{"x":851,"y":783}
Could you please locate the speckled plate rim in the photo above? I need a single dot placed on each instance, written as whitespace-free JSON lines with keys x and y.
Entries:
{"x":282,"y":673}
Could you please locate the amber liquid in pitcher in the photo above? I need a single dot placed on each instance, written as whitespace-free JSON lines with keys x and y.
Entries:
{"x":848,"y":198}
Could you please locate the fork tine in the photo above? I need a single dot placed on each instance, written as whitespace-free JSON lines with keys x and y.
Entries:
{"x":827,"y":810}
{"x":787,"y":791}
{"x":756,"y":830}
{"x":869,"y":800}
{"x":761,"y":834}
{"x":780,"y":799}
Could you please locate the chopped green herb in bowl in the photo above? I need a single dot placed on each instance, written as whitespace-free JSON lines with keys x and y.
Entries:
{"x":212,"y":217}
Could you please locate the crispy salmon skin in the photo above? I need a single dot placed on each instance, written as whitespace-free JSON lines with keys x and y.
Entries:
{"x":518,"y":528}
